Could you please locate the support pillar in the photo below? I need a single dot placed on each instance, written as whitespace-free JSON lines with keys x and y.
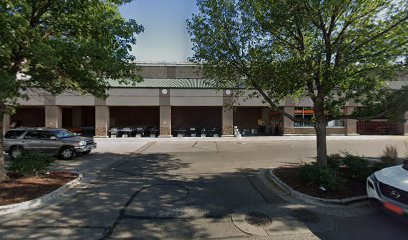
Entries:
{"x":6,"y":123}
{"x":227,"y":122}
{"x":165,"y":122}
{"x":165,"y":113}
{"x":350,"y":124}
{"x":53,"y":117}
{"x":77,"y":117}
{"x":266,"y":119}
{"x":227,"y":114}
{"x":265,"y":115}
{"x":288,"y":125}
{"x":403,"y":125}
{"x":102,"y":116}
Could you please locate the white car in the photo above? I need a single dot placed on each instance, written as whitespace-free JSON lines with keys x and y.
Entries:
{"x":390,"y":187}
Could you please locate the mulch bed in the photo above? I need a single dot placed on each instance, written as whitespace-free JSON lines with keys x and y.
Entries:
{"x":290,"y":176}
{"x":18,"y":189}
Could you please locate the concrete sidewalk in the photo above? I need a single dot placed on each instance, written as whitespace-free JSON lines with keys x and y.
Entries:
{"x":254,"y":138}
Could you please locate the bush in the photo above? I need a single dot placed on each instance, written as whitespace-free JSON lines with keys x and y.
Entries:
{"x":357,"y":167}
{"x":334,"y":161}
{"x":31,"y":164}
{"x":314,"y":174}
{"x":378,"y":166}
{"x":390,"y":156}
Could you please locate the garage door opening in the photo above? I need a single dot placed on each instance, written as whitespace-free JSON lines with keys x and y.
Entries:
{"x":134,"y":121}
{"x":79,"y":120}
{"x":196,"y":121}
{"x":258,"y":121}
{"x":28,"y":117}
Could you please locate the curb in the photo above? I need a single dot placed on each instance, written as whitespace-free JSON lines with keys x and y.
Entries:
{"x":40,"y":201}
{"x":60,"y":194}
{"x":310,"y":199}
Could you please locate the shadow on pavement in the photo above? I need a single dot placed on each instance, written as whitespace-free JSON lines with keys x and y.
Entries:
{"x":154,"y":196}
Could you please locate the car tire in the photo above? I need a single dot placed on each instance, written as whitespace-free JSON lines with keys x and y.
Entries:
{"x":16,"y":152}
{"x":67,"y":153}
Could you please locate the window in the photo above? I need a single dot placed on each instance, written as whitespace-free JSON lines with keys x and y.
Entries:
{"x":304,"y":113}
{"x":14,"y":134}
{"x":46,"y":134}
{"x":336,"y":123}
{"x":308,"y":114}
{"x":32,"y":135}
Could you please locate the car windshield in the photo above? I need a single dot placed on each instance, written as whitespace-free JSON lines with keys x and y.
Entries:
{"x":63,"y":134}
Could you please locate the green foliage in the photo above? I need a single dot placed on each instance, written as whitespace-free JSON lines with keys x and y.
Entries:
{"x":334,"y":161}
{"x":378,"y":166}
{"x":390,"y":155}
{"x":65,"y":45}
{"x":31,"y":164}
{"x":357,"y":167}
{"x":332,"y":52}
{"x":319,"y":176}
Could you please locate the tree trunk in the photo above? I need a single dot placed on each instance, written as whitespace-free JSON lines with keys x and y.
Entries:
{"x":3,"y":174}
{"x":321,"y":142}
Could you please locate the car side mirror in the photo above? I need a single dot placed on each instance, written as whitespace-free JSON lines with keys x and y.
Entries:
{"x":53,"y":138}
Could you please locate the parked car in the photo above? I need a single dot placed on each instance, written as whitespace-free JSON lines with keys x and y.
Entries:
{"x":389,"y":187}
{"x":46,"y":140}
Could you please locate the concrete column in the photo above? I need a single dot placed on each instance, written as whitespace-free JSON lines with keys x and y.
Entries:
{"x":53,"y":117}
{"x":165,"y":121}
{"x":77,"y":116}
{"x":265,"y":115}
{"x":350,"y":124}
{"x":266,"y":119}
{"x":288,"y":125}
{"x":227,"y":122}
{"x":102,"y":115}
{"x":227,"y":114}
{"x":6,"y":123}
{"x":405,"y":125}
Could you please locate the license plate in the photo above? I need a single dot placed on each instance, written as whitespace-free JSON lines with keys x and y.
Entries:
{"x":394,"y":208}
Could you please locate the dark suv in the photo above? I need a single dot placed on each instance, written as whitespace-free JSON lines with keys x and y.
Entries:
{"x":46,"y":140}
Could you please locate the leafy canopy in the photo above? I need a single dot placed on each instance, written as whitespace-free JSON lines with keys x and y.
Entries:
{"x":333,"y":51}
{"x":64,"y":45}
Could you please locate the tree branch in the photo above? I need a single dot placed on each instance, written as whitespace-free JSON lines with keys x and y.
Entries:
{"x":380,"y":34}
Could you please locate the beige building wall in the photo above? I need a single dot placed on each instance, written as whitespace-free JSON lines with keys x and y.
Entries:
{"x":288,"y":125}
{"x":196,"y":97}
{"x":53,"y":116}
{"x":6,"y":123}
{"x":165,"y":121}
{"x":350,"y":124}
{"x":102,"y":116}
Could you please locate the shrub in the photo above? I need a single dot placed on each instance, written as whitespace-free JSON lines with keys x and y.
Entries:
{"x":357,"y":167}
{"x":314,"y":174}
{"x":31,"y":164}
{"x":334,"y":161}
{"x":378,"y":166}
{"x":390,"y":155}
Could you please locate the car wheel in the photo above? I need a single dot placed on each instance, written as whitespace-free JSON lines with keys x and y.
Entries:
{"x":67,"y":153}
{"x":16,"y":152}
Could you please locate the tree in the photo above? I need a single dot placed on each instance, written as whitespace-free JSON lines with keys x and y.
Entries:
{"x":332,"y":51}
{"x":58,"y":46}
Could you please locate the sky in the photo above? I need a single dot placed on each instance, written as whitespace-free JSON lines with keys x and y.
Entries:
{"x":165,"y":38}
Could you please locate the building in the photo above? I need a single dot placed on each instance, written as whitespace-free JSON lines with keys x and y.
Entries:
{"x":172,"y":97}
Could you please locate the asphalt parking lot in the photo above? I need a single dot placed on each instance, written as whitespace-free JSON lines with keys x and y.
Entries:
{"x":201,"y":188}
